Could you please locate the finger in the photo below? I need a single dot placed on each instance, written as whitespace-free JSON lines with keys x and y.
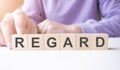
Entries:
{"x":2,"y":41}
{"x":23,"y":24}
{"x":20,"y":21}
{"x":8,"y":28}
{"x":42,"y":27}
{"x":44,"y":31}
{"x":31,"y":28}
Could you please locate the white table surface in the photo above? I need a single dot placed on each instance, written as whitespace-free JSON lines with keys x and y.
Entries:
{"x":62,"y":60}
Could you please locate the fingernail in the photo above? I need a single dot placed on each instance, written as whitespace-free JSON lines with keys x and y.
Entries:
{"x":9,"y":45}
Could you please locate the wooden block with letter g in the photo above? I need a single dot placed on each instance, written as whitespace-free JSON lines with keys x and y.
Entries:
{"x":51,"y":41}
{"x":19,"y":42}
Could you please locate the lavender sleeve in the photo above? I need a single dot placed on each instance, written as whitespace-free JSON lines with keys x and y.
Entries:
{"x":33,"y":9}
{"x":110,"y":23}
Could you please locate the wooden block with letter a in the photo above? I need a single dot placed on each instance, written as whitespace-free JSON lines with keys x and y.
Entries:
{"x":19,"y":42}
{"x":67,"y":41}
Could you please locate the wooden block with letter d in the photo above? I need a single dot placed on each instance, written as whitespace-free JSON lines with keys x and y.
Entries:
{"x":100,"y":42}
{"x":19,"y":42}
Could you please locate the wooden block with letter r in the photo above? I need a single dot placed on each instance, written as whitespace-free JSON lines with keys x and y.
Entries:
{"x":83,"y":41}
{"x":19,"y":42}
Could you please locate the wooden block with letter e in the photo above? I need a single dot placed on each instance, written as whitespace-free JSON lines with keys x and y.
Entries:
{"x":35,"y":41}
{"x":19,"y":42}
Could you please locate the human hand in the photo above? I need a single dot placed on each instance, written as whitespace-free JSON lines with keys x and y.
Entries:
{"x":48,"y":26}
{"x":16,"y":23}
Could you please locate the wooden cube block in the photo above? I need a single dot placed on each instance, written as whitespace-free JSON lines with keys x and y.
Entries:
{"x":84,"y":41}
{"x":51,"y":41}
{"x":100,"y":42}
{"x":60,"y":41}
{"x":35,"y":41}
{"x":67,"y":41}
{"x":19,"y":42}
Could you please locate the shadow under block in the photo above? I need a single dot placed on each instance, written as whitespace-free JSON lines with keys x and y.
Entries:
{"x":51,"y":41}
{"x":19,"y":38}
{"x":67,"y":41}
{"x":35,"y":41}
